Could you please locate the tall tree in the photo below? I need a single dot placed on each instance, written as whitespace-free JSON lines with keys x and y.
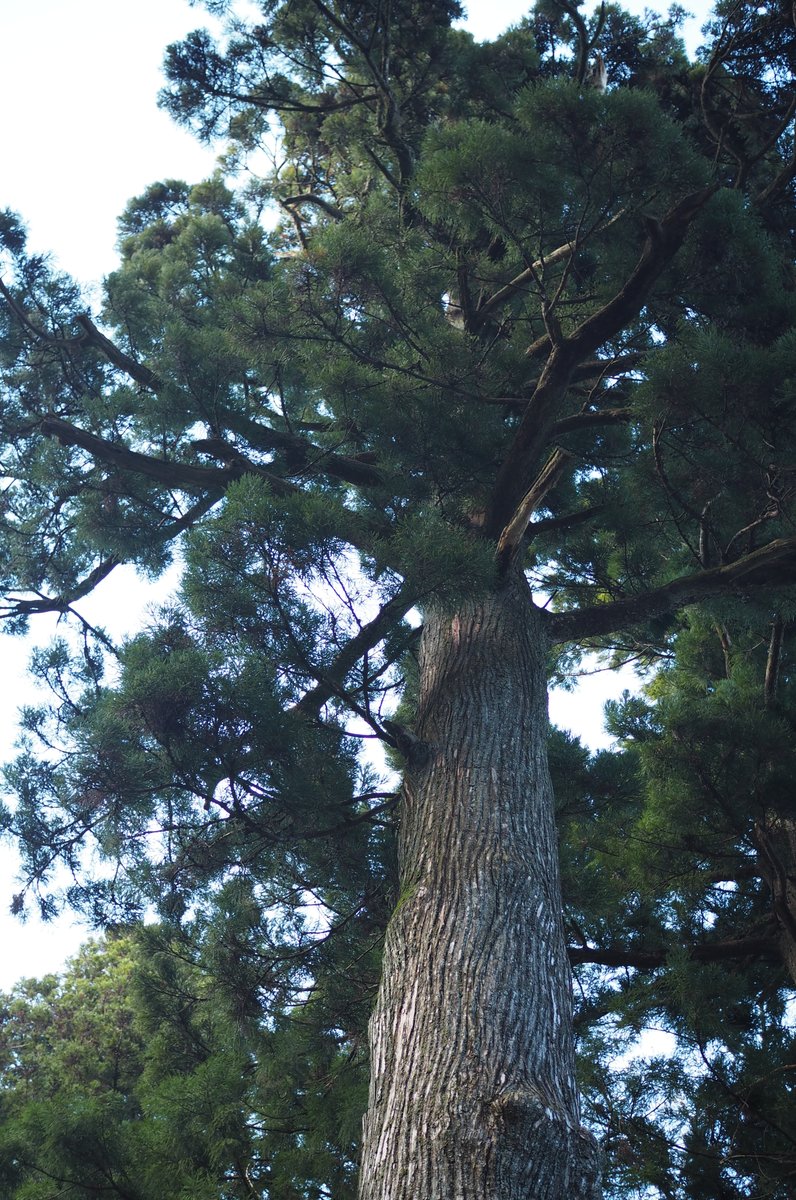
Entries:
{"x":515,"y":363}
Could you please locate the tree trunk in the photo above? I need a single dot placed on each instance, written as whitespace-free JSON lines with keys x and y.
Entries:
{"x":473,"y":1093}
{"x":775,"y":837}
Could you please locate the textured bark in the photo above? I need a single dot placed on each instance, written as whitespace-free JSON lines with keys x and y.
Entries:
{"x":775,"y":838}
{"x":473,"y":1091}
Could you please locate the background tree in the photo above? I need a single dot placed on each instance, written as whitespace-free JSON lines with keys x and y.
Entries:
{"x":70,"y":1056}
{"x":132,"y":1075}
{"x":509,"y":332}
{"x":671,"y":877}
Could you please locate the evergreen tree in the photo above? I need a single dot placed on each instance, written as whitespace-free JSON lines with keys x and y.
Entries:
{"x":516,"y":362}
{"x":129,"y":1076}
{"x":676,"y":864}
{"x":69,"y":1058}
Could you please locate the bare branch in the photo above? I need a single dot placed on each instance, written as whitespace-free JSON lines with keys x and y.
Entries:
{"x":511,"y":538}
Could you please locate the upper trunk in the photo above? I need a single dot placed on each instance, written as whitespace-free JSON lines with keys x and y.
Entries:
{"x":473,"y":1084}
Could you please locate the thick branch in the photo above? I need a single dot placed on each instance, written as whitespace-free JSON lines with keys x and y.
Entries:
{"x":301,"y":453}
{"x":586,"y":420}
{"x":170,"y":474}
{"x":212,"y":481}
{"x":773,"y":662}
{"x":509,"y":290}
{"x":331,"y":682}
{"x":311,"y":198}
{"x":124,"y":362}
{"x":62,"y":343}
{"x":510,"y":539}
{"x":778,"y":183}
{"x":773,"y":565}
{"x":12,"y":607}
{"x":90,"y":336}
{"x":664,"y":239}
{"x":607,"y":368}
{"x":585,"y":43}
{"x":733,"y":950}
{"x":568,"y":521}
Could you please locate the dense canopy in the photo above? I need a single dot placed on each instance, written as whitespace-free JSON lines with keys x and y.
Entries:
{"x":458,"y":366}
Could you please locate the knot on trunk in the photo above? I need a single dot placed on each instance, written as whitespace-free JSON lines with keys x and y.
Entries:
{"x":414,"y":749}
{"x":566,"y":1163}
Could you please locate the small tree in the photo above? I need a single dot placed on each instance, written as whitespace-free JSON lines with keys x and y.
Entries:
{"x":516,"y":360}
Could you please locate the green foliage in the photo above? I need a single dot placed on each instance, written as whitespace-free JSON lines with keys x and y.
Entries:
{"x":327,"y":391}
{"x":685,"y":845}
{"x":135,"y":1072}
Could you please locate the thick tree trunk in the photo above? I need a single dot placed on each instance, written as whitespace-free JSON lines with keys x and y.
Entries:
{"x":473,"y":1093}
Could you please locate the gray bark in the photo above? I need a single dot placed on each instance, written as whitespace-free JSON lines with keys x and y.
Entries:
{"x":473,"y":1092}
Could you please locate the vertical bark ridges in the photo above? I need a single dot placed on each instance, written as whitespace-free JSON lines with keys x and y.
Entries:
{"x":473,"y":1088}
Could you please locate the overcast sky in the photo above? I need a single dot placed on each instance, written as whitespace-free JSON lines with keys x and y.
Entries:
{"x":81,"y":134}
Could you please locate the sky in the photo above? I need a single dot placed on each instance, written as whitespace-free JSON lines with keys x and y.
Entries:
{"x":81,"y":134}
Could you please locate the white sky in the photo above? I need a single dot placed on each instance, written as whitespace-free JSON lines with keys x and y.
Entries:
{"x":81,"y":134}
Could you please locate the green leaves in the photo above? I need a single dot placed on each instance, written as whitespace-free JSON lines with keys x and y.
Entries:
{"x":677,"y":860}
{"x":314,"y":385}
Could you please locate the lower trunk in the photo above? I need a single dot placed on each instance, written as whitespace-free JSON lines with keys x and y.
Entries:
{"x":473,"y":1087}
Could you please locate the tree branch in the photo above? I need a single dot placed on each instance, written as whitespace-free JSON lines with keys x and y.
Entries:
{"x":529,"y":274}
{"x":773,"y":565}
{"x":773,"y":661}
{"x":510,"y":539}
{"x":61,"y":604}
{"x":331,"y":210}
{"x":90,"y":336}
{"x":568,"y":521}
{"x":169,"y":474}
{"x":301,"y":453}
{"x":12,"y":607}
{"x":585,"y":43}
{"x":607,"y":368}
{"x":664,"y":239}
{"x":124,"y":362}
{"x":586,"y":420}
{"x":732,"y":950}
{"x":390,"y":121}
{"x":63,"y":343}
{"x":331,"y":682}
